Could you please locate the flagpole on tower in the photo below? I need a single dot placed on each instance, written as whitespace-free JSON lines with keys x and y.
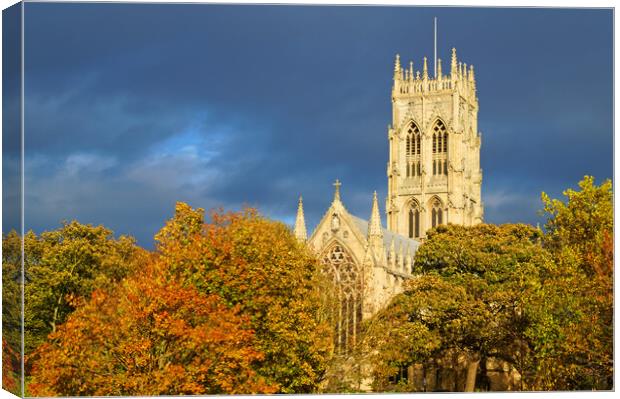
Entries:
{"x":435,"y":46}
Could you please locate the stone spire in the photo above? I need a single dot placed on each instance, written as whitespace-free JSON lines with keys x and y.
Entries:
{"x":398,"y":75}
{"x":439,"y":68}
{"x":453,"y":65}
{"x":375,"y":231}
{"x":425,"y":70}
{"x":300,"y":222}
{"x":374,"y":224}
{"x":471,"y":73}
{"x":410,"y":70}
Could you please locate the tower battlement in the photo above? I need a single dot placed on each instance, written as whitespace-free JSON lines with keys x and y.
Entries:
{"x":408,"y":82}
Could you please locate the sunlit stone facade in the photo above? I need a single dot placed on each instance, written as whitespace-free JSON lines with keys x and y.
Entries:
{"x":433,"y":171}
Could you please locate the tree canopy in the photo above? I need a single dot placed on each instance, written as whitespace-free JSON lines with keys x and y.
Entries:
{"x":11,"y":311}
{"x":230,"y":306}
{"x":580,"y":237}
{"x":468,"y":299}
{"x":540,"y":301}
{"x":149,"y":335}
{"x":67,"y":264}
{"x":259,"y":266}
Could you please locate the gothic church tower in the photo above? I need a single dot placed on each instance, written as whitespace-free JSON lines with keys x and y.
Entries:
{"x":434,"y":174}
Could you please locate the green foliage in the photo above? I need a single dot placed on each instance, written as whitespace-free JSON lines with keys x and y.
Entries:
{"x":470,"y":298}
{"x":583,"y":225}
{"x":65,"y":265}
{"x":541,"y":302}
{"x":259,"y":266}
{"x":11,"y":310}
{"x":580,"y":236}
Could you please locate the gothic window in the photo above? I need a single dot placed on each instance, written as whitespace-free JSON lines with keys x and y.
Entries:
{"x":413,"y":140}
{"x":413,"y":145}
{"x":436,"y":214}
{"x":338,"y":264}
{"x":414,"y":221}
{"x":440,"y":149}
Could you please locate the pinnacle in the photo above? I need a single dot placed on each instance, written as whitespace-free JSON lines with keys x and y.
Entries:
{"x":300,"y":222}
{"x":374,"y":224}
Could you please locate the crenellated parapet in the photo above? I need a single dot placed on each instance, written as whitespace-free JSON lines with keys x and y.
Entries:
{"x":408,"y":82}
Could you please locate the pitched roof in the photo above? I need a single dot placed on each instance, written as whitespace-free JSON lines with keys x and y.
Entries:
{"x":388,"y":236}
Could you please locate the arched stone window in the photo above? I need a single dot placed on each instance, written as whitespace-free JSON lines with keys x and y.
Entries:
{"x":440,"y":148}
{"x":436,"y":213}
{"x":338,"y":264}
{"x":413,"y":149}
{"x":414,"y":221}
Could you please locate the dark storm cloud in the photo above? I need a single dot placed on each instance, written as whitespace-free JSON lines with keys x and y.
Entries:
{"x":133,"y":107}
{"x":11,"y":142}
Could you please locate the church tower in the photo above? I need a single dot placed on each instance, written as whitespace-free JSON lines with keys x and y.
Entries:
{"x":434,"y":174}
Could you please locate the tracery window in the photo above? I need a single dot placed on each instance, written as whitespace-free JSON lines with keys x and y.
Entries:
{"x":436,"y":213}
{"x":440,"y":149}
{"x":338,"y":264}
{"x":414,"y":221}
{"x":413,"y":150}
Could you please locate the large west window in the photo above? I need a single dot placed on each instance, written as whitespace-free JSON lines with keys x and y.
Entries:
{"x":346,"y":318}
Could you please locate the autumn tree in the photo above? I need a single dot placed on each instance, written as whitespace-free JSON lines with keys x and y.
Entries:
{"x":11,"y":310}
{"x":10,"y":369}
{"x":583,"y":225}
{"x":579,"y":233}
{"x":476,"y":295}
{"x":69,"y":263}
{"x":541,"y":302}
{"x":258,"y":266}
{"x":150,"y":335}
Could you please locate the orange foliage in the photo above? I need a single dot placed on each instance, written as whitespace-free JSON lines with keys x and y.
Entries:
{"x":149,"y":336}
{"x":257,"y":265}
{"x":9,"y":382}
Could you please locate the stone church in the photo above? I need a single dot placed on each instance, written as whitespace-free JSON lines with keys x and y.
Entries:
{"x":433,"y":178}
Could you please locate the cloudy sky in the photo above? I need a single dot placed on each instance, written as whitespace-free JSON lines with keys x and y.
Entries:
{"x":131,"y":107}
